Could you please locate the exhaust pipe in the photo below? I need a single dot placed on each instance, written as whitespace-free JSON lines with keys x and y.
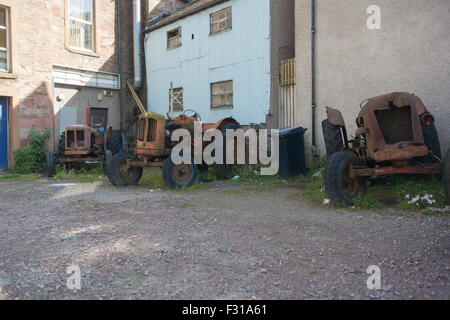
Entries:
{"x":137,"y":32}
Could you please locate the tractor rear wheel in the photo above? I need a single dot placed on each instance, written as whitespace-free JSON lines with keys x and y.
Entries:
{"x":332,"y":135}
{"x":431,"y":139}
{"x":340,"y":187}
{"x":181,"y":175}
{"x":119,"y":174}
{"x":224,"y":171}
{"x":62,"y":145}
{"x":114,"y":141}
{"x":50,"y":162}
{"x":447,"y":176}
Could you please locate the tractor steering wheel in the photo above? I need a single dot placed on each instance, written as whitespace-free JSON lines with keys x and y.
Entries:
{"x":196,"y":114}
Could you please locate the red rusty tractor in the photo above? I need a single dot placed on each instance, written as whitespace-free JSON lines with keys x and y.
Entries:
{"x":154,"y":147}
{"x":396,"y":135}
{"x":82,"y":143}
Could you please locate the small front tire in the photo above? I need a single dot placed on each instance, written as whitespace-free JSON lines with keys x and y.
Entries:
{"x":119,"y":174}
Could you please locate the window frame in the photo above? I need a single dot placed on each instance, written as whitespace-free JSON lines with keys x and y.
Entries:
{"x":68,"y":19}
{"x":211,"y":33}
{"x":212,"y":96}
{"x":180,"y":36}
{"x":177,"y":92}
{"x":8,"y":39}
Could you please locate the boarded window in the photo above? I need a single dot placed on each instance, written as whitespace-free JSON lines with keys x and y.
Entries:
{"x":176,"y":97}
{"x":4,"y":39}
{"x":221,"y":20}
{"x":81,"y":24}
{"x":222,"y":94}
{"x":174,"y":38}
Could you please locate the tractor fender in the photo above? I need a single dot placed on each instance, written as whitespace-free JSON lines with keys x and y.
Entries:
{"x":335,"y":117}
{"x":219,"y":124}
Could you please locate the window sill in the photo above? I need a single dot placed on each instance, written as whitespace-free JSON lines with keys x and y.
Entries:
{"x":222,"y":107}
{"x":8,"y":75}
{"x":220,"y":32}
{"x":84,"y":53}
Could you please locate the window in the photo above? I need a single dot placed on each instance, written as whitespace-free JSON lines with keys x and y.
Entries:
{"x":221,"y":20}
{"x":174,"y":38}
{"x":176,"y":97}
{"x":81,"y":24}
{"x":222,"y":94}
{"x":4,"y":39}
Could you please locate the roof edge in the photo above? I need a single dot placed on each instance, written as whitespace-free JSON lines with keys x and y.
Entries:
{"x":200,"y":9}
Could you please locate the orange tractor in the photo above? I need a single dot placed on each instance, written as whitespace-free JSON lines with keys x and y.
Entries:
{"x":154,"y":147}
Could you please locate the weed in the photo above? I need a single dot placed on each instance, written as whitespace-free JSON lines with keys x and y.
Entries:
{"x":31,"y":159}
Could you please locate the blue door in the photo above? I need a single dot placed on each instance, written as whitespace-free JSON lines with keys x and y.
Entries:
{"x":3,"y":133}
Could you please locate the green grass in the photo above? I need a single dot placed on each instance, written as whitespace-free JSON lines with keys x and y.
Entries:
{"x":15,"y":176}
{"x":250,"y":175}
{"x":82,"y":172}
{"x":188,"y":205}
{"x":393,"y":191}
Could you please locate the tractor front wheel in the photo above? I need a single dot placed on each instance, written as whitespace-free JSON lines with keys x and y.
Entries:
{"x":178,"y":176}
{"x":340,"y":187}
{"x":447,"y":176}
{"x":119,"y":174}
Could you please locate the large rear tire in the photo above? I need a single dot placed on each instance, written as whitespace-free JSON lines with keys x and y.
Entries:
{"x":114,"y":141}
{"x":50,"y":162}
{"x":179,"y":176}
{"x":332,"y":136}
{"x":119,"y":174}
{"x":224,"y":171}
{"x":339,"y":186}
{"x":447,"y":176}
{"x":431,"y":139}
{"x":62,"y":145}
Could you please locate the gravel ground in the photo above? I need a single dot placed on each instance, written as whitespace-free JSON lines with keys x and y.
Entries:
{"x":222,"y":241}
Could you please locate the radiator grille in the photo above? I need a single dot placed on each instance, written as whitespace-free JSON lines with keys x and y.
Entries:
{"x":151,"y":134}
{"x":141,"y":129}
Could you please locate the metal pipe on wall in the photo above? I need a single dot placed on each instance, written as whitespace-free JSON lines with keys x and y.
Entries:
{"x":313,"y":77}
{"x":119,"y":59}
{"x":137,"y":32}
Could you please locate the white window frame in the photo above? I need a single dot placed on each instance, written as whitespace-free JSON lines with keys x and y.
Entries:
{"x":91,"y":23}
{"x":7,"y":49}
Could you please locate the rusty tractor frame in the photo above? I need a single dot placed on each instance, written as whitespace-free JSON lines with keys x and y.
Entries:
{"x":395,"y":135}
{"x":154,"y":147}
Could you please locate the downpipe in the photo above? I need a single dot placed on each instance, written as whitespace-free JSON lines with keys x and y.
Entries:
{"x":137,"y":55}
{"x":315,"y":152}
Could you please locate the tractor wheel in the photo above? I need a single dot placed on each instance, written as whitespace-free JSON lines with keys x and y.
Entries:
{"x":431,"y":139}
{"x":447,"y":176}
{"x":62,"y":145}
{"x":224,"y":171}
{"x":339,"y":186}
{"x":50,"y":162}
{"x":179,"y":176}
{"x":119,"y":174}
{"x":108,"y":158}
{"x":332,"y":135}
{"x":114,"y":141}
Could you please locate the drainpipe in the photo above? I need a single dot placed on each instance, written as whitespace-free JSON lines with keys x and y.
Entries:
{"x":119,"y":59}
{"x":137,"y":32}
{"x":313,"y":77}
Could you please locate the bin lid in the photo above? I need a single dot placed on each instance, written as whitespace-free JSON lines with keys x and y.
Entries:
{"x":291,"y":131}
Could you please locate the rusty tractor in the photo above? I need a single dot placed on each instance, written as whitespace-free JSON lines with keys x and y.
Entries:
{"x":154,"y":147}
{"x":82,"y":144}
{"x":395,"y":134}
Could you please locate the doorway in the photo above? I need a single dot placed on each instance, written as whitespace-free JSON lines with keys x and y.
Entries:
{"x":3,"y":133}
